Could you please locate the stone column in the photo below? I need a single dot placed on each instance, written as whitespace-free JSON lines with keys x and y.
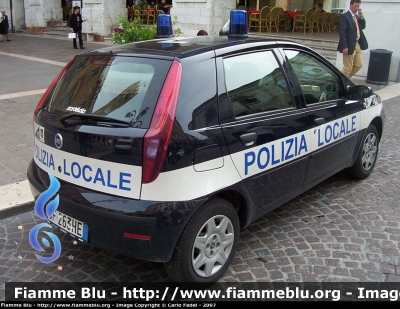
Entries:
{"x":39,"y":14}
{"x":102,"y":16}
{"x":192,"y":15}
{"x":327,"y":5}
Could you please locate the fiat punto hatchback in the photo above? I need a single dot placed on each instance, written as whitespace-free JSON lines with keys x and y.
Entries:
{"x":221,"y":131}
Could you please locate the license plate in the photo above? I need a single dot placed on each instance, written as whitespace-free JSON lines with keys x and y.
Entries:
{"x":70,"y":225}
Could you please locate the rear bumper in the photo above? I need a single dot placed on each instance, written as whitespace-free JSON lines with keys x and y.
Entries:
{"x":109,"y":217}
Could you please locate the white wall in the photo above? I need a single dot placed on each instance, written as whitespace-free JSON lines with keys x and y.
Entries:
{"x":18,"y":14}
{"x":209,"y":15}
{"x":39,"y":12}
{"x":102,"y":15}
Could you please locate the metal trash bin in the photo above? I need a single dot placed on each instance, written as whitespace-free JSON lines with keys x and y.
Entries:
{"x":379,"y":66}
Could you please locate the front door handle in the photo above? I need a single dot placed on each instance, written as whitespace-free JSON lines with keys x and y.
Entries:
{"x":319,"y":121}
{"x":249,"y":138}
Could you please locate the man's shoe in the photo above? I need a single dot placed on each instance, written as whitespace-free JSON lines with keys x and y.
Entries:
{"x":8,"y":40}
{"x":82,"y":47}
{"x":76,"y":47}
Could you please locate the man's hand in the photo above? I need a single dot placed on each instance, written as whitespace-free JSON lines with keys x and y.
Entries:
{"x":345,"y":51}
{"x":360,"y":13}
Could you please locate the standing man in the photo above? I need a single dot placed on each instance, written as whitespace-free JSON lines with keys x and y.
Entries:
{"x":4,"y":25}
{"x":351,"y":38}
{"x":164,"y":7}
{"x":75,"y":22}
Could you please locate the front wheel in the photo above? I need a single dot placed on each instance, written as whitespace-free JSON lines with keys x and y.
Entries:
{"x":207,"y":245}
{"x":367,"y":155}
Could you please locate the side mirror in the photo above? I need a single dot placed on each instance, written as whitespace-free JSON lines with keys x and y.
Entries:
{"x":358,"y":92}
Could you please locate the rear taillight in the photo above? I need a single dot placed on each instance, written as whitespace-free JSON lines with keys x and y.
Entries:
{"x":156,"y":140}
{"x":51,"y":87}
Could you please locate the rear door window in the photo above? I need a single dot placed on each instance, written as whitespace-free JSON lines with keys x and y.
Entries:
{"x":256,"y":83}
{"x":119,"y":87}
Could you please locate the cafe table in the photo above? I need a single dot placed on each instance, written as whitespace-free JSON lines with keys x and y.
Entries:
{"x":252,"y":12}
{"x":292,"y":15}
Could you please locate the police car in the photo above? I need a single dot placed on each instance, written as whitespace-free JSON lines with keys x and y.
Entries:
{"x":225,"y":129}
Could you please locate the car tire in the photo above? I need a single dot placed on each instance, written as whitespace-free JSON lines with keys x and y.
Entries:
{"x":207,"y":244}
{"x":367,"y":155}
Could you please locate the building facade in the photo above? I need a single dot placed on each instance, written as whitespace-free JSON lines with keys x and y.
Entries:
{"x":35,"y":16}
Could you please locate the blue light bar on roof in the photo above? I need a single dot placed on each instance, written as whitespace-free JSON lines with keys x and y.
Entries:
{"x":164,"y":26}
{"x":238,"y":24}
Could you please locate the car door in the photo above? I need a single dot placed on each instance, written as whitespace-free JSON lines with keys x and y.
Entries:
{"x":333,"y":119}
{"x":262,"y":126}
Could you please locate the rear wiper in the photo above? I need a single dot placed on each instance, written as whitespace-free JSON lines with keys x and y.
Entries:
{"x":106,"y":120}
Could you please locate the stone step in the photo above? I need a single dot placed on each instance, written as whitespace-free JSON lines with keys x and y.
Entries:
{"x":57,"y":31}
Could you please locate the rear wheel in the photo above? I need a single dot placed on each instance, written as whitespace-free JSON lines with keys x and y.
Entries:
{"x":207,"y":245}
{"x":367,"y":155}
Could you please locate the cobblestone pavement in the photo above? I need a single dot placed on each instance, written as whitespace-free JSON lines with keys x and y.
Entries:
{"x":342,"y":230}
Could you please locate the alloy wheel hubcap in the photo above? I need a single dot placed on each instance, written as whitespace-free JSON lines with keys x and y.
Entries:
{"x":212,"y":246}
{"x":369,"y":152}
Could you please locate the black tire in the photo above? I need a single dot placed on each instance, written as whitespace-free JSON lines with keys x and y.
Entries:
{"x":219,"y":244}
{"x":367,"y":155}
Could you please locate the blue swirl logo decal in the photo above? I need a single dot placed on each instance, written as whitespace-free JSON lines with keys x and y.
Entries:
{"x":45,"y":207}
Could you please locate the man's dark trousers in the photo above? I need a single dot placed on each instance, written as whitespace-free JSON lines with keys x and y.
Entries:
{"x":78,"y":32}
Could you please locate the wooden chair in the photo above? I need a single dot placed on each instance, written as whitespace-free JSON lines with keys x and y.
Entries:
{"x":273,"y":19}
{"x":156,"y":12}
{"x":135,"y":14}
{"x":283,"y":19}
{"x":314,"y":21}
{"x":301,"y":21}
{"x":259,"y":21}
{"x":330,"y":21}
{"x":151,"y":17}
{"x":264,"y":15}
{"x":323,"y":21}
{"x":336,"y":22}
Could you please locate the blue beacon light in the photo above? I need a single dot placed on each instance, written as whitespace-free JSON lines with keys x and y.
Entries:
{"x":238,"y":24}
{"x":164,"y":26}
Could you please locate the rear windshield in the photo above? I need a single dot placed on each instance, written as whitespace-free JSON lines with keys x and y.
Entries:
{"x":119,"y":87}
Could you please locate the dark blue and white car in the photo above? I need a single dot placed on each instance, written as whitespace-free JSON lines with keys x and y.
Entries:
{"x":223,"y":130}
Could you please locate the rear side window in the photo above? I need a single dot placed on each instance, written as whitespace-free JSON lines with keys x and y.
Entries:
{"x":256,"y":83}
{"x":123,"y":88}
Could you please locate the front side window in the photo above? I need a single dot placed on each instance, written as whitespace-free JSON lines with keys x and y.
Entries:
{"x":123,"y":88}
{"x":317,"y":81}
{"x":255,"y":83}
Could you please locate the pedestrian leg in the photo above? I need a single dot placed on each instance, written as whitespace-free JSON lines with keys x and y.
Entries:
{"x":74,"y":43}
{"x":348,"y":64}
{"x":80,"y":39}
{"x":357,"y":60}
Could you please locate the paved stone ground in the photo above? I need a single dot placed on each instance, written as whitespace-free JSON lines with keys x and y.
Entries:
{"x":340,"y":231}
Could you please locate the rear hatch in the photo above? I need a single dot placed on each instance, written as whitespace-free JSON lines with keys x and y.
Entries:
{"x":96,"y":101}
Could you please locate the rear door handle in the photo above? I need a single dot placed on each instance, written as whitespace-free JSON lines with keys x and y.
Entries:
{"x":249,"y":138}
{"x":319,"y":121}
